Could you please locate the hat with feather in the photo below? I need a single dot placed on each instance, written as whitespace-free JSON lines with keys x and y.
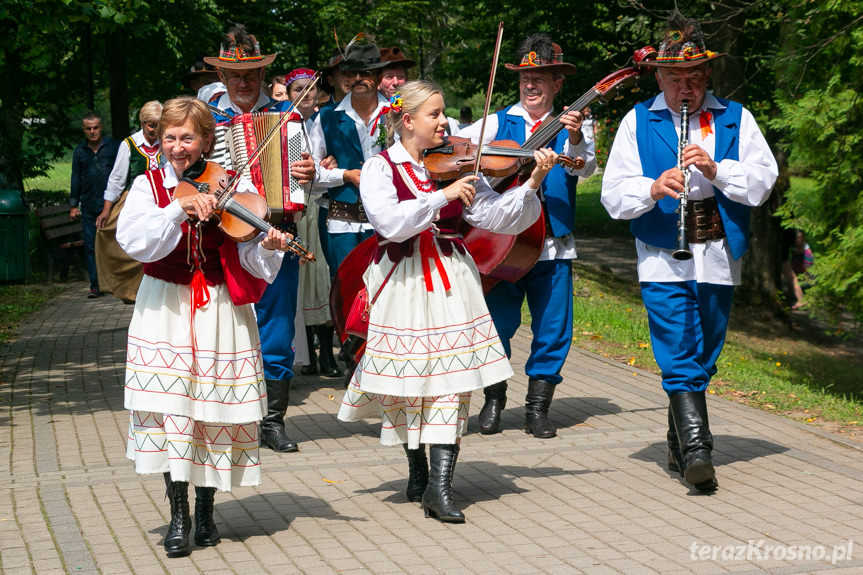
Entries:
{"x":682,"y":46}
{"x":240,"y":51}
{"x":538,"y":52}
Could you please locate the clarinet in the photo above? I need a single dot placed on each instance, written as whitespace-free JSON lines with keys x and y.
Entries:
{"x":682,"y":252}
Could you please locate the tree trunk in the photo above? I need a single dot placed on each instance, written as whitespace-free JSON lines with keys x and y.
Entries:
{"x":762,"y":263}
{"x":12,"y":138}
{"x":117,"y":84}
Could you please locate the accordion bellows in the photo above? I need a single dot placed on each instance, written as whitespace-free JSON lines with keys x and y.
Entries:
{"x":271,"y":172}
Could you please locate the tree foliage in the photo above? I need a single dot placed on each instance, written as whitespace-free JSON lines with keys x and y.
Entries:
{"x":821,"y":115}
{"x":795,"y":63}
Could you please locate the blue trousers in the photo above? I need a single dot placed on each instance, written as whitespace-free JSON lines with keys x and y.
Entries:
{"x":688,"y":321}
{"x":340,"y":245}
{"x":275,"y":313}
{"x":548,"y":288}
{"x":88,"y":234}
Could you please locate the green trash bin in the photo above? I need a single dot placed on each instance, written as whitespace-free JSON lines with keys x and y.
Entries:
{"x":14,"y":237}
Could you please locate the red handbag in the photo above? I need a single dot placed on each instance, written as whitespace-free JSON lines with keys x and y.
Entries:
{"x":357,"y":322}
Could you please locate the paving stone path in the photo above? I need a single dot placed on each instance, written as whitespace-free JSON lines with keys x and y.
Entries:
{"x":596,"y":499}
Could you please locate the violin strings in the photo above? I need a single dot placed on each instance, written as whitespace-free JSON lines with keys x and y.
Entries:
{"x":239,"y":210}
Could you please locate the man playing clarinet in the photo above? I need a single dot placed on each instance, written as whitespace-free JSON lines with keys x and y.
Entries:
{"x":731,"y":169}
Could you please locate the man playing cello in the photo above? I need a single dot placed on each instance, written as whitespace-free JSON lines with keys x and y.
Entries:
{"x":548,"y":285}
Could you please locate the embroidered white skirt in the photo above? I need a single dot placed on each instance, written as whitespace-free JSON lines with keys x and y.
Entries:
{"x":195,"y":395}
{"x":426,"y":351}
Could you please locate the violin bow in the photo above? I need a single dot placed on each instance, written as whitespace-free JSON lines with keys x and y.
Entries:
{"x":488,"y":92}
{"x":286,"y":116}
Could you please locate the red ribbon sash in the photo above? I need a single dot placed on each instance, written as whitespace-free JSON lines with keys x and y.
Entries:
{"x":428,"y":251}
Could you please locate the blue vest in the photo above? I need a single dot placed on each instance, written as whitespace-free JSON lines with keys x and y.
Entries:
{"x":558,"y":187}
{"x":343,"y":142}
{"x":657,"y":149}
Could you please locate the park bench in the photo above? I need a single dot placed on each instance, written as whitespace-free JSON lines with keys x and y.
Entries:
{"x":63,"y":236}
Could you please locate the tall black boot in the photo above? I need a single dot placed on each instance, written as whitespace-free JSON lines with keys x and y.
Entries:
{"x":689,"y":410}
{"x":675,"y":457}
{"x":273,"y":426}
{"x":206,"y":532}
{"x":312,"y":367}
{"x":177,"y":540}
{"x":418,"y":472}
{"x":329,"y":365}
{"x":536,"y":404}
{"x":438,"y":499}
{"x":495,"y":403}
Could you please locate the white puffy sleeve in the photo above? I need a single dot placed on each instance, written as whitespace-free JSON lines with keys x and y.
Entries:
{"x":511,"y":212}
{"x":394,"y":220}
{"x":145,"y":231}
{"x":625,"y":190}
{"x":750,"y":179}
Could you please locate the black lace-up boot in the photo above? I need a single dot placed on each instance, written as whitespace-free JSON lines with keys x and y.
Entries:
{"x":438,"y":498}
{"x":180,"y":527}
{"x":418,"y":472}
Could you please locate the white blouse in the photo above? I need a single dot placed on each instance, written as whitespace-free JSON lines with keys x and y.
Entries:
{"x":149,"y":233}
{"x":510,"y":213}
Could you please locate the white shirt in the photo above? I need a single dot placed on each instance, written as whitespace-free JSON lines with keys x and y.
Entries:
{"x":562,"y":248}
{"x":511,"y":212}
{"x":335,"y":177}
{"x":149,"y":233}
{"x":626,"y":193}
{"x":120,"y":171}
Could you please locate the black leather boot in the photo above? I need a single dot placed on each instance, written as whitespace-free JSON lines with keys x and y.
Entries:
{"x":206,"y":532}
{"x":495,"y":402}
{"x":675,"y":457}
{"x":329,"y":365}
{"x":689,"y":410}
{"x":418,"y":472}
{"x":177,"y":539}
{"x":312,"y":367}
{"x":273,"y":426}
{"x":437,"y":500}
{"x":536,"y":404}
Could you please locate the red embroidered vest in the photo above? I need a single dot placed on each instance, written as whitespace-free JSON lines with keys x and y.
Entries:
{"x":447,"y":222}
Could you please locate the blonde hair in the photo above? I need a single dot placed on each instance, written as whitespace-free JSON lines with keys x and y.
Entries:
{"x":177,"y":110}
{"x":413,"y":95}
{"x":150,"y":112}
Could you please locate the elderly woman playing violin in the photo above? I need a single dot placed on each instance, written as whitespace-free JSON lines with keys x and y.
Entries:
{"x":431,"y":341}
{"x":194,"y":381}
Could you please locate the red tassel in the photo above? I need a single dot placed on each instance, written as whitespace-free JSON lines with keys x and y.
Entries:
{"x":200,"y":298}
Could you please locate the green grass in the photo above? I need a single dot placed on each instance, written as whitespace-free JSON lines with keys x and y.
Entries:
{"x":806,"y":375}
{"x":57,"y":178}
{"x":19,"y":301}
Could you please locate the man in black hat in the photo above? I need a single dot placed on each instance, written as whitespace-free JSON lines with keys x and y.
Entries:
{"x":731,"y":169}
{"x":352,"y":132}
{"x":548,"y":285}
{"x":334,"y":81}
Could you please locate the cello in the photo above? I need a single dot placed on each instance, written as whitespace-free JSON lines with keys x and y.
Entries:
{"x":505,"y":257}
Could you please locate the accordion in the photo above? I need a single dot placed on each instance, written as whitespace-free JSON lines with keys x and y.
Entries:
{"x":271,"y":171}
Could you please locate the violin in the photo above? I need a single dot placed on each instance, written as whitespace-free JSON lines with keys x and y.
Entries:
{"x":241,"y":215}
{"x":500,"y":159}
